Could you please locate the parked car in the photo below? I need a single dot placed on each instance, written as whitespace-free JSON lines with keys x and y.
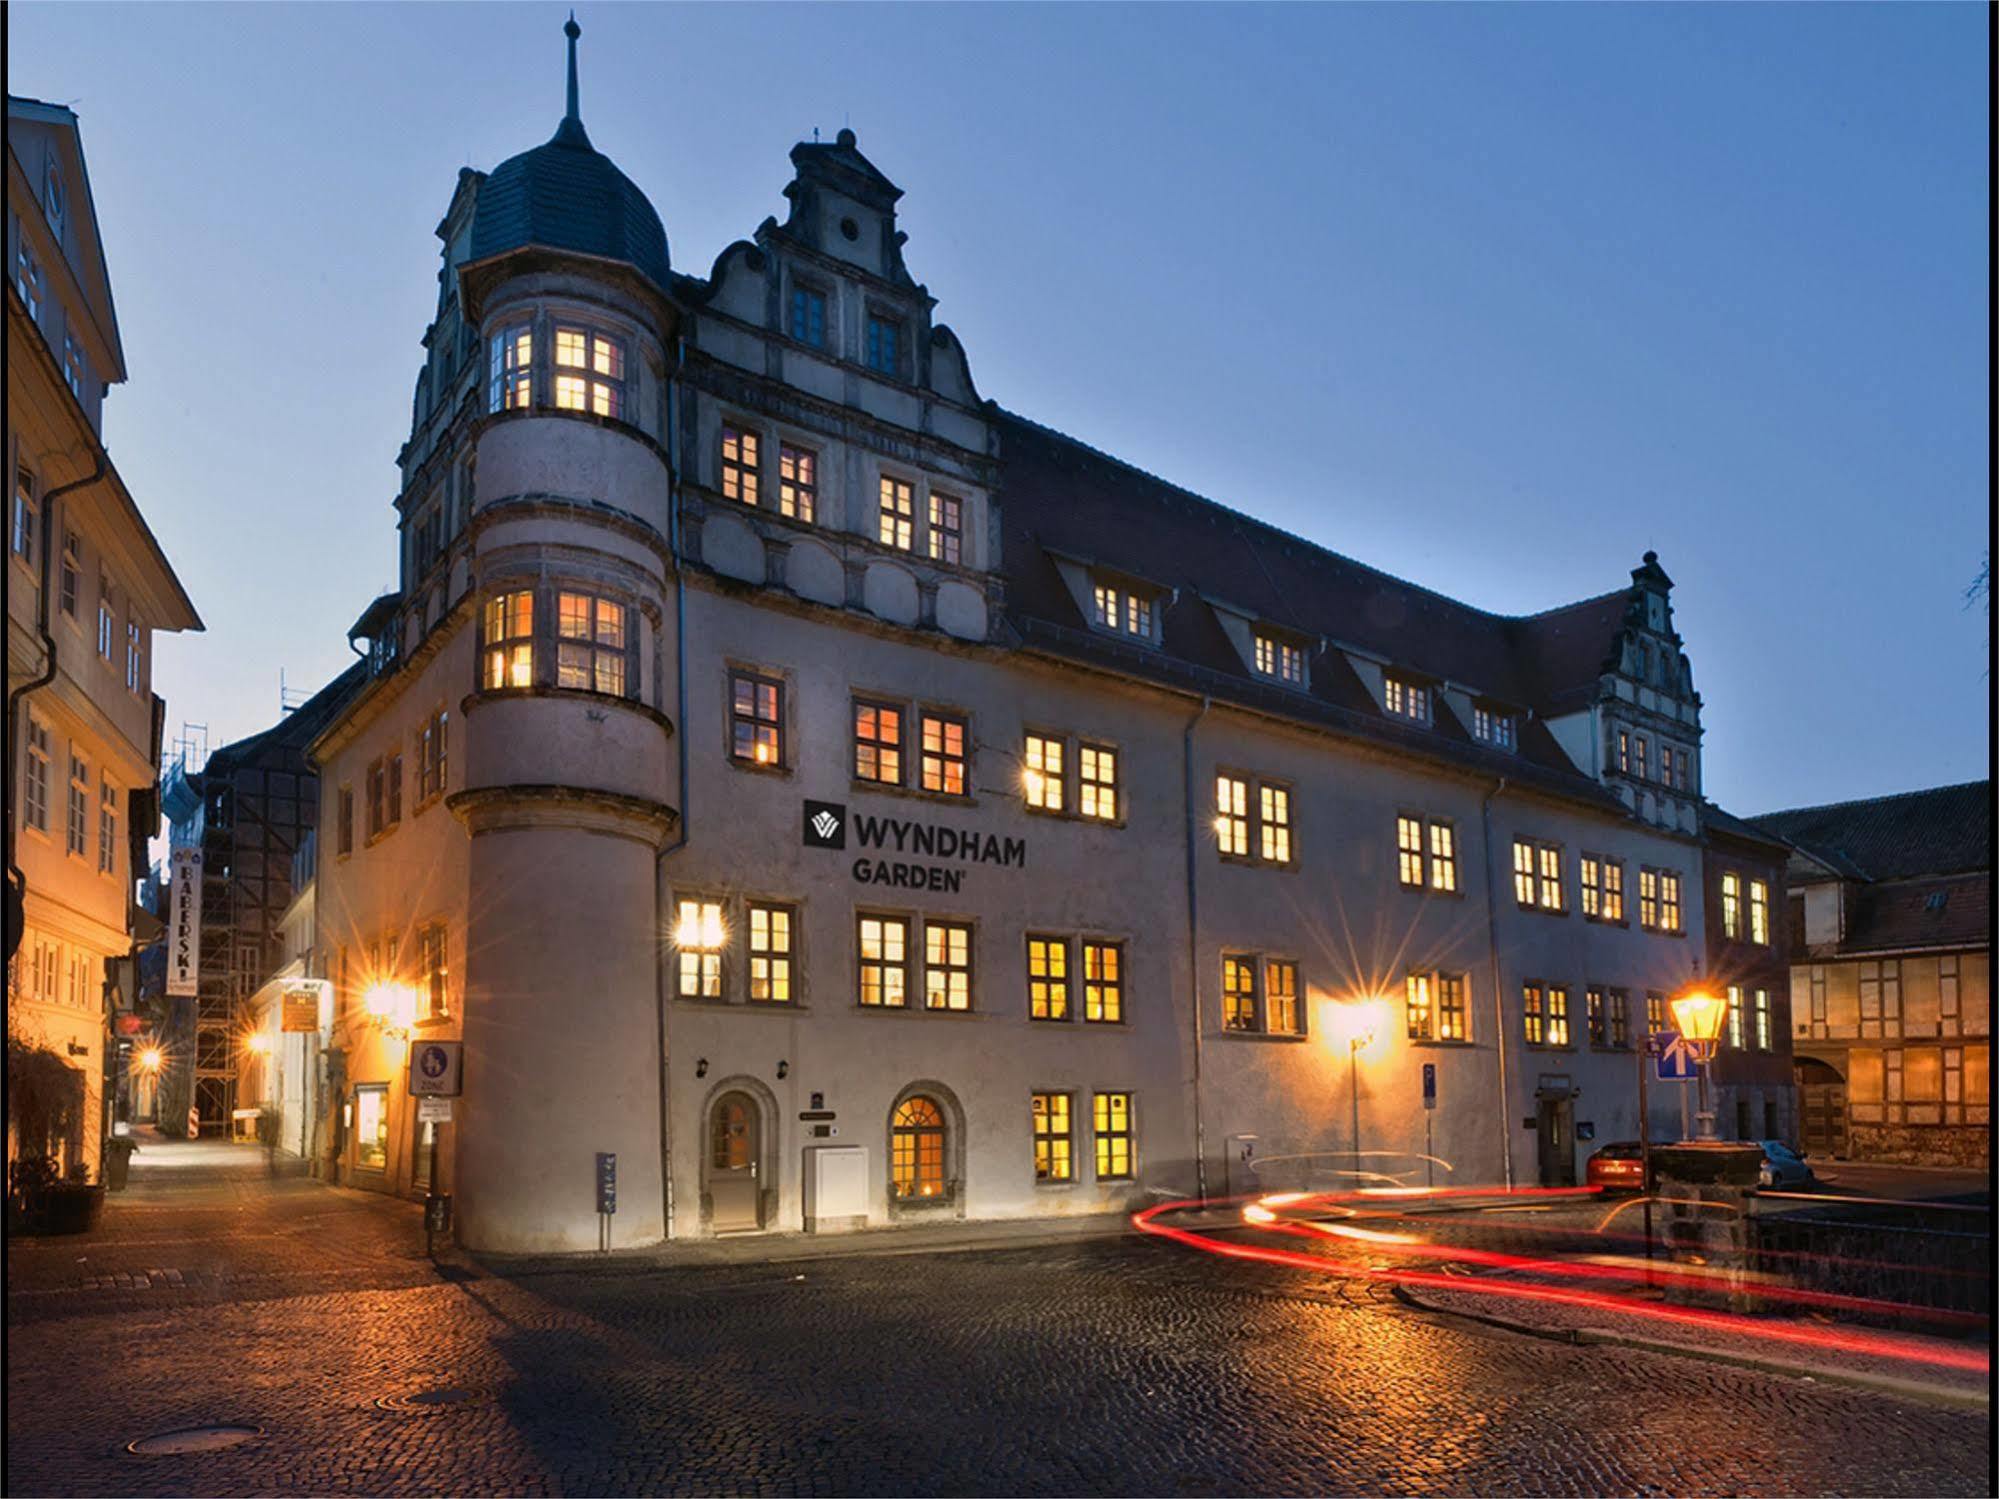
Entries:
{"x":1783,"y":1167}
{"x":1617,"y":1167}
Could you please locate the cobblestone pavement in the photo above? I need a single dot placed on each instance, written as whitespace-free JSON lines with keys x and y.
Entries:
{"x":214,"y":1294}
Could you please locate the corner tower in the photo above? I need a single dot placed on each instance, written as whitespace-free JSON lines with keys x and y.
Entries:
{"x":567,"y":787}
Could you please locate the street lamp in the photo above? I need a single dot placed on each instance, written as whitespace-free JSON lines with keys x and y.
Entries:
{"x":391,"y":1009}
{"x":151,"y":1059}
{"x":1699,"y":1016}
{"x":1356,"y":1023}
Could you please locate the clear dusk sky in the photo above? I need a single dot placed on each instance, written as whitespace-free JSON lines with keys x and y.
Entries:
{"x":1494,"y":298}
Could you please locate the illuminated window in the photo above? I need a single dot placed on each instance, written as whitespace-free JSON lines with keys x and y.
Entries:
{"x":884,"y":344}
{"x":947,"y":965}
{"x":877,"y":743}
{"x":1596,"y":1015}
{"x":1496,"y":728}
{"x":371,"y":1126}
{"x":808,"y":316}
{"x":770,"y":930}
{"x":1655,"y":1012}
{"x":1280,"y":660}
{"x":1558,"y":1015}
{"x":916,"y":1149}
{"x":898,"y":514}
{"x":1232,"y":815}
{"x":884,"y":949}
{"x":1641,"y":759}
{"x":433,"y":973}
{"x":508,"y":647}
{"x":1759,"y":913}
{"x":589,"y":372}
{"x":1443,"y":857}
{"x":1406,"y":699}
{"x":1533,"y":1016}
{"x":1273,"y":823}
{"x":756,"y":719}
{"x":1096,"y":782}
{"x":1048,"y":978}
{"x":797,"y":482}
{"x":430,"y":756}
{"x":1409,"y":852}
{"x":1623,"y":752}
{"x":1103,"y":982}
{"x":1551,"y":895}
{"x":1523,"y":873}
{"x":698,"y":937}
{"x":1537,"y":875}
{"x":1110,"y":1120}
{"x":947,"y":527}
{"x":77,"y":829}
{"x":741,"y":456}
{"x":1735,"y":1016}
{"x":1420,"y":1006}
{"x":1659,"y":900}
{"x":510,"y":375}
{"x":1453,"y":1009}
{"x":1122,"y":610}
{"x":1762,"y":1001}
{"x":1731,"y":905}
{"x":1042,"y":776}
{"x":943,"y":767}
{"x":1280,"y":995}
{"x":1054,"y":1139}
{"x":1239,"y":1007}
{"x":591,"y":646}
{"x":107,"y":827}
{"x":72,"y":550}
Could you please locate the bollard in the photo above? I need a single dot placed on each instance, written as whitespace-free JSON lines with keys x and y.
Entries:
{"x":1704,"y":1190}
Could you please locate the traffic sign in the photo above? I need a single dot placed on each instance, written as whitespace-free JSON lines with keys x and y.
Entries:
{"x":1429,"y":1085}
{"x":437,"y":1069}
{"x":1678,"y":1062}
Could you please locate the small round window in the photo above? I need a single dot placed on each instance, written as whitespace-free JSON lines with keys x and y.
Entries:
{"x":850,"y":229}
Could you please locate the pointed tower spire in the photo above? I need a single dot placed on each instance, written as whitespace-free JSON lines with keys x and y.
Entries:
{"x":570,"y":132}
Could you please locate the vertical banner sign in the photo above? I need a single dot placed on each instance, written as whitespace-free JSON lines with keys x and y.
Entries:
{"x":184,"y":922}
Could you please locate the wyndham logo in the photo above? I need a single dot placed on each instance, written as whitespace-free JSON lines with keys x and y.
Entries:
{"x":825,"y":825}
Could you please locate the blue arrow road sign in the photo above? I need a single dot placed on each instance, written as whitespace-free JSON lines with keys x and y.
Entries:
{"x":1677,"y":1062}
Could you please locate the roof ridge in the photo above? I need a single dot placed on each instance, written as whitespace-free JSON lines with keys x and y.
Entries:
{"x":1293,"y":538}
{"x":1867,"y":801}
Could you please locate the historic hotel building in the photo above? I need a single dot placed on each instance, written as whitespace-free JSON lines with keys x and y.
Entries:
{"x":846,"y":801}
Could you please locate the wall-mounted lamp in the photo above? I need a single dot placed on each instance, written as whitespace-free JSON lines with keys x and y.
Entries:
{"x":782,"y":1069}
{"x":701,"y":1068}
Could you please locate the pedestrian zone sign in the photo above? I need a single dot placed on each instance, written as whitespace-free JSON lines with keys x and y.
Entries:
{"x":437,"y":1069}
{"x":1677,"y":1062}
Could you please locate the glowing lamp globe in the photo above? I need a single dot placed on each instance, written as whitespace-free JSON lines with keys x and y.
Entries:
{"x":1699,"y":1016}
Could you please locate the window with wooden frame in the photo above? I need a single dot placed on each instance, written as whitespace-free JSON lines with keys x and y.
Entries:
{"x":1118,"y":608}
{"x":1494,"y":727}
{"x":1419,"y":1006}
{"x":1602,"y":883}
{"x":878,"y":742}
{"x":589,"y":371}
{"x":699,"y":938}
{"x":1043,"y":774}
{"x":1111,"y":1129}
{"x":1558,"y":1014}
{"x":1659,"y":900}
{"x":1735,"y":1017}
{"x":1054,"y":1138}
{"x":1273,"y":823}
{"x":947,"y":528}
{"x":769,"y":931}
{"x":592,"y":649}
{"x":392,"y":778}
{"x":1426,"y":853}
{"x":107,"y":827}
{"x":430,"y":756}
{"x":1281,"y":1016}
{"x":507,"y":642}
{"x":433,"y":997}
{"x":797,"y":482}
{"x":1409,"y":852}
{"x":1596,"y":1015}
{"x":344,"y":821}
{"x":1405,"y":698}
{"x":510,"y":375}
{"x":135,"y":651}
{"x":76,"y":839}
{"x":1533,"y":1014}
{"x":1096,"y":782}
{"x":947,"y":965}
{"x":1731,"y":905}
{"x":1232,"y":815}
{"x":756,"y":719}
{"x":1047,"y":978}
{"x":1103,"y":982}
{"x":742,"y":456}
{"x":378,"y":800}
{"x":942,"y":766}
{"x":1453,"y":1007}
{"x":1239,"y":992}
{"x":1655,"y":1013}
{"x":1762,"y":1012}
{"x":896,"y":521}
{"x":1279,"y":660}
{"x":1537,"y":875}
{"x":1759,"y":913}
{"x":916,"y":1150}
{"x":884,"y":961}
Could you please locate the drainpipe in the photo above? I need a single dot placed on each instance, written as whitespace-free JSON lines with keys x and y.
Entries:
{"x":51,"y":531}
{"x":1194,"y":945}
{"x":1498,"y":995}
{"x":680,"y":744}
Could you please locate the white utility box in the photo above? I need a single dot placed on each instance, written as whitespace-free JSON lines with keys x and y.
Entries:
{"x":836,"y":1188}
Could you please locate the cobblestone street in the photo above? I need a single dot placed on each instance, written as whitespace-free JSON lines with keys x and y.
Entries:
{"x":216,"y":1294}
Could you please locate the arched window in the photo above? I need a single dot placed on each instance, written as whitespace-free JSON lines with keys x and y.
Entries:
{"x":916,"y":1149}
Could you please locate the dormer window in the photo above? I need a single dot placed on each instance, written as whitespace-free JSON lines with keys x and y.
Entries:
{"x":1500,"y":730}
{"x":1121,"y":610}
{"x":1406,"y":699}
{"x":884,"y":349}
{"x":510,"y":383}
{"x":589,"y":372}
{"x":1280,"y":661}
{"x":808,"y":316}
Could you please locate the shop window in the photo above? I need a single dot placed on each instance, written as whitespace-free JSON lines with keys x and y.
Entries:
{"x":371,"y":1127}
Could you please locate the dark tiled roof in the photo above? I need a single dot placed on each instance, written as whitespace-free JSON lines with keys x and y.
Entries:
{"x":1951,"y":912}
{"x":1718,"y":820}
{"x":297,"y":729}
{"x":566,"y":195}
{"x":1946,"y":830}
{"x":1061,"y":496}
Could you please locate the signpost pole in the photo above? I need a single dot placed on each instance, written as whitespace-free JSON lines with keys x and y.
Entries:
{"x":1645,"y":1158}
{"x":429,"y":1214}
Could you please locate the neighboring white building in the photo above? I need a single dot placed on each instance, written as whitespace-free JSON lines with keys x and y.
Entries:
{"x":844,"y":800}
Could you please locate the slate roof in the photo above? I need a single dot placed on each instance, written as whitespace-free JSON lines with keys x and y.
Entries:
{"x":567,"y":195}
{"x":1955,"y":911}
{"x":1063,"y":497}
{"x":1944,"y":830}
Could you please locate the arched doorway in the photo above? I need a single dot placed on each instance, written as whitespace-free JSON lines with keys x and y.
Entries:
{"x":734,"y":1156}
{"x":1821,"y":1107}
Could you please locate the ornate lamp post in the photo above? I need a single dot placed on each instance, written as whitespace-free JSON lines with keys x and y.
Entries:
{"x":1699,"y":1016}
